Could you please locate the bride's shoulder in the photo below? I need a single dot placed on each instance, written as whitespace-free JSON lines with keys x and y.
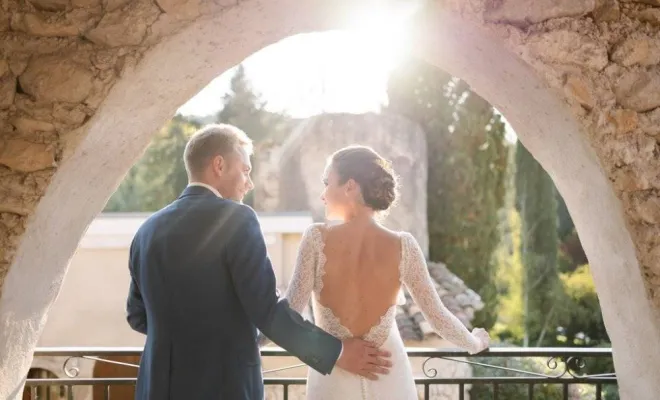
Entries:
{"x":405,"y":236}
{"x":316,"y":229}
{"x":392,"y":233}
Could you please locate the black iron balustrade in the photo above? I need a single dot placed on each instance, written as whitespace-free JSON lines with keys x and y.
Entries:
{"x":562,"y":367}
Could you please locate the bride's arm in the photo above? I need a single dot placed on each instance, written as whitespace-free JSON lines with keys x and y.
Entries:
{"x":418,"y":281}
{"x":302,"y":282}
{"x":300,"y":288}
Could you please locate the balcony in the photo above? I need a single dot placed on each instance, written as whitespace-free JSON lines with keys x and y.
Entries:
{"x":501,"y":373}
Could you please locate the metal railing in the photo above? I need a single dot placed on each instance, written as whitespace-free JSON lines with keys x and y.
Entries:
{"x":499,"y":373}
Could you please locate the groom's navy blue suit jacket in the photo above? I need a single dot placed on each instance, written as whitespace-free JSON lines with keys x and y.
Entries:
{"x":201,"y":286}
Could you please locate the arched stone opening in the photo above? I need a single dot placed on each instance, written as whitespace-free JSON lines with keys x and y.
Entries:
{"x":97,"y":156}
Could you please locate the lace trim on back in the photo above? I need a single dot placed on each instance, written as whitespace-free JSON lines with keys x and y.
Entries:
{"x":327,"y":319}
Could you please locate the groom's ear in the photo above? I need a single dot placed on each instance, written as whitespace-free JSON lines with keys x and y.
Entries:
{"x":218,"y":163}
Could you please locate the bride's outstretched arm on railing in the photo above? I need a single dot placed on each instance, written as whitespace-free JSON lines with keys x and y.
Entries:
{"x":418,"y":281}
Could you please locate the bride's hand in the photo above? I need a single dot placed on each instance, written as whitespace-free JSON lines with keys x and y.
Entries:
{"x":483,"y":337}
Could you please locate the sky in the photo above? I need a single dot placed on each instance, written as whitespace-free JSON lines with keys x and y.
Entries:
{"x":307,"y":74}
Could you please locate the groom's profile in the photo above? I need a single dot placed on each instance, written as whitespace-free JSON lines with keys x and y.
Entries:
{"x":202,"y":284}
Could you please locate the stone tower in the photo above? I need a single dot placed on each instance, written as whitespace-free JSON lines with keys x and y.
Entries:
{"x":294,"y":172}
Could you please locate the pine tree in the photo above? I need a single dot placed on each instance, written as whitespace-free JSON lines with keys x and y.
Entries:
{"x":537,"y":204}
{"x":243,"y":108}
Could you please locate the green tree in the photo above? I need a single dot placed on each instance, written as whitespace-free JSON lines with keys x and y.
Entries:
{"x":243,"y":107}
{"x":128,"y":196}
{"x":160,"y":175}
{"x":163,"y":166}
{"x":581,"y":321}
{"x":467,"y":167}
{"x":537,"y":204}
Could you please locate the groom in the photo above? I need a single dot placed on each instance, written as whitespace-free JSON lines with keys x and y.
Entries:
{"x":201,"y":283}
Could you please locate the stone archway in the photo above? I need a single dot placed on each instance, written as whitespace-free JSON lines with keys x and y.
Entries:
{"x":588,"y":120}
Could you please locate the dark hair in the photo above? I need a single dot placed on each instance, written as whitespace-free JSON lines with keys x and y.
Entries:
{"x":372,"y":172}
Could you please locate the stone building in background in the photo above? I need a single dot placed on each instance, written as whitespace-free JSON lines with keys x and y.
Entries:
{"x":290,"y":174}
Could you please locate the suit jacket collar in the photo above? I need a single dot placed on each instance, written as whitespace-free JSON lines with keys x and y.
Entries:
{"x":197,"y":190}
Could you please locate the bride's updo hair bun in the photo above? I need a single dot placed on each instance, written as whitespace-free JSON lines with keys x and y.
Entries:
{"x":372,"y":172}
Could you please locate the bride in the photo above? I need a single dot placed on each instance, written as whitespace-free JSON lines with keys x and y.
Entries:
{"x":355,"y":270}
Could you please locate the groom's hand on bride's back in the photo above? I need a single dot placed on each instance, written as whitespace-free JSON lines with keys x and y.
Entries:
{"x":363,"y":358}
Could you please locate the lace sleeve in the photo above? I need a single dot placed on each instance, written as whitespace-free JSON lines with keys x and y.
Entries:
{"x":416,"y":277}
{"x":302,"y":282}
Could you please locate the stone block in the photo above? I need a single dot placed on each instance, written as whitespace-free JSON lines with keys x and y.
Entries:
{"x":7,"y":90}
{"x":38,"y":25}
{"x":607,"y":11}
{"x":568,"y":47}
{"x":646,"y":206}
{"x":525,"y":12}
{"x":650,"y":15}
{"x":70,"y":114}
{"x":4,"y":67}
{"x":23,"y":156}
{"x":126,"y":26}
{"x":638,"y":89}
{"x":579,"y":89}
{"x":639,"y":50}
{"x":180,"y":9}
{"x":50,"y":5}
{"x":624,"y":120}
{"x":56,"y":78}
{"x":86,"y":3}
{"x":27,"y":125}
{"x":650,"y":122}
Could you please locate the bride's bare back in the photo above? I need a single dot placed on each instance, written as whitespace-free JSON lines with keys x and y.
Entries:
{"x":362,"y":277}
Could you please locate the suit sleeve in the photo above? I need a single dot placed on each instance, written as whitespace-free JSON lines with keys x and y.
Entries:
{"x":136,"y":314}
{"x":254,"y":281}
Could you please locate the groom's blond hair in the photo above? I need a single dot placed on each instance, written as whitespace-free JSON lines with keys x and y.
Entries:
{"x":211,"y":141}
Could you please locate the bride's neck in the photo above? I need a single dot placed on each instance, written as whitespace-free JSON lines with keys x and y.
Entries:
{"x":361,"y":216}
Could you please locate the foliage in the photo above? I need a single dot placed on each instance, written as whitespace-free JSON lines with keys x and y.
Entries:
{"x":509,"y":326}
{"x":539,"y":365}
{"x":514,"y":391}
{"x":242,"y":107}
{"x":160,"y":175}
{"x":581,"y":323}
{"x":467,"y":167}
{"x":536,"y":202}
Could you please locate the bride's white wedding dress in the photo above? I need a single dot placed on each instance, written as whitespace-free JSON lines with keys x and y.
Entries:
{"x":413,"y":272}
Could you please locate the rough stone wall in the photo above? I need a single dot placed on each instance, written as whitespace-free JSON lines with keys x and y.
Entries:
{"x":297,"y":177}
{"x":604,"y":57}
{"x":58,"y":59}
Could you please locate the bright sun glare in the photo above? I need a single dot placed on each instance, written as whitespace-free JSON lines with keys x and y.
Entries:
{"x":379,"y":35}
{"x":339,"y":71}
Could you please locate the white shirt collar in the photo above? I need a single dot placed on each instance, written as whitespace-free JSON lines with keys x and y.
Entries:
{"x":204,"y":185}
